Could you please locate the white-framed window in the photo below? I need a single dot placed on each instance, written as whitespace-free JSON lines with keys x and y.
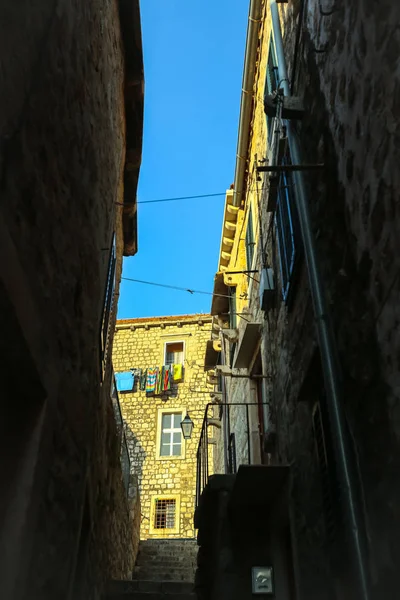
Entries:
{"x":174,"y":353}
{"x":171,"y":434}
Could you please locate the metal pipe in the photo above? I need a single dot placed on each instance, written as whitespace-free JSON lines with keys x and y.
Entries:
{"x":248,"y":435}
{"x":346,"y":468}
{"x":223,"y":386}
{"x":247,"y":97}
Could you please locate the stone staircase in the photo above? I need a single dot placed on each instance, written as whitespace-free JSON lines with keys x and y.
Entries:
{"x":164,"y":571}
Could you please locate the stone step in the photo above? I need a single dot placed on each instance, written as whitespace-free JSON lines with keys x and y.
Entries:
{"x":167,"y":555}
{"x":150,"y":596}
{"x":150,"y":590}
{"x":167,"y":549}
{"x":167,"y":560}
{"x":172,"y":575}
{"x":165,"y":545}
{"x":165,"y":568}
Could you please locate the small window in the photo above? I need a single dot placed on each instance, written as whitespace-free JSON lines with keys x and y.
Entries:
{"x":250,"y":241}
{"x":165,"y":513}
{"x":174,"y":353}
{"x":171,"y":434}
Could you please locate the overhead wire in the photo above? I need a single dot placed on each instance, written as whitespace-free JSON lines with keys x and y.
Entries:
{"x":174,"y":287}
{"x":172,"y":199}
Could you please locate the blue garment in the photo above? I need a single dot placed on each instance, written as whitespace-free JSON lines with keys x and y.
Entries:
{"x":125,"y":381}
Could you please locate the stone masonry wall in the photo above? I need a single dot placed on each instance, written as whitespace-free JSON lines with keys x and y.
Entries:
{"x":349,"y":125}
{"x":62,"y":159}
{"x":348,"y":73}
{"x":139,"y":343}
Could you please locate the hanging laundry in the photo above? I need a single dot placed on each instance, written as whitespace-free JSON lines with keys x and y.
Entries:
{"x":151,"y":380}
{"x":125,"y":381}
{"x":143,"y":379}
{"x":177,"y":372}
{"x":167,"y":378}
{"x":160,"y":381}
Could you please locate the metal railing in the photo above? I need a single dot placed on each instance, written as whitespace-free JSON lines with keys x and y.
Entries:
{"x":124,"y":451}
{"x":228,"y":441}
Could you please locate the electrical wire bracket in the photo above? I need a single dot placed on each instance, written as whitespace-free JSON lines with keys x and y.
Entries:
{"x":292,"y":106}
{"x":305,"y":167}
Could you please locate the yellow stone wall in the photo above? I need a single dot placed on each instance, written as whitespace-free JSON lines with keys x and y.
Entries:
{"x":139,"y":343}
{"x":247,"y":291}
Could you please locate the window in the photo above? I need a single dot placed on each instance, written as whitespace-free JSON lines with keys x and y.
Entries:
{"x":286,"y":227}
{"x":250,"y":242}
{"x":165,"y":513}
{"x":171,"y":434}
{"x":174,"y":353}
{"x":108,"y":302}
{"x":272,"y":80}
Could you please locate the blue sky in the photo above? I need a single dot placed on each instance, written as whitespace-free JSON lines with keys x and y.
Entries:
{"x":193,"y":58}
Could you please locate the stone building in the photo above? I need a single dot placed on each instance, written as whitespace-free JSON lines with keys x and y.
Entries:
{"x":309,"y":331}
{"x":71,"y":137}
{"x":162,"y":460}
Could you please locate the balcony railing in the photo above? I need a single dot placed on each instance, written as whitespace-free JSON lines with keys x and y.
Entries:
{"x":219,"y":415}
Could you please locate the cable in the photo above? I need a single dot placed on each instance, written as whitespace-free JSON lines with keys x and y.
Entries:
{"x":181,"y":198}
{"x":174,"y":287}
{"x":173,"y":199}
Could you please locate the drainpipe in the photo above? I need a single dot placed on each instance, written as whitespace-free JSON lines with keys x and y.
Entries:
{"x":346,"y":467}
{"x":224,"y":413}
{"x":247,"y":98}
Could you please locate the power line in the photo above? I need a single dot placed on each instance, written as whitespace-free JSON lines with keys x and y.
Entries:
{"x":175,"y":199}
{"x":175,"y":287}
{"x":181,"y":198}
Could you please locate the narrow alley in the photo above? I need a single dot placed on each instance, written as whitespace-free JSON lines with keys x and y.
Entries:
{"x":200,"y":289}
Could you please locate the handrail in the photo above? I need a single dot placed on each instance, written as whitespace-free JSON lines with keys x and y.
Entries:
{"x":123,"y":445}
{"x":228,"y":444}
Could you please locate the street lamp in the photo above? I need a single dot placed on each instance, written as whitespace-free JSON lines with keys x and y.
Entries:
{"x":187,"y":427}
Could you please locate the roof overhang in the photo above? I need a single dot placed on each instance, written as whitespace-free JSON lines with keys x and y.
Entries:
{"x":229,"y":225}
{"x":220,"y":300}
{"x":129,"y":14}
